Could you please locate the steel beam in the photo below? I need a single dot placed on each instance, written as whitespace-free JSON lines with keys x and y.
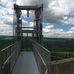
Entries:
{"x":29,"y":31}
{"x":26,"y":7}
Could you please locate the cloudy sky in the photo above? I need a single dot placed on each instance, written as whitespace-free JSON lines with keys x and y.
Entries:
{"x":58,"y":17}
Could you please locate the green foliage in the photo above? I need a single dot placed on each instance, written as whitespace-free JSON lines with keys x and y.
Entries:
{"x":59,"y":44}
{"x":63,"y":54}
{"x":60,"y":48}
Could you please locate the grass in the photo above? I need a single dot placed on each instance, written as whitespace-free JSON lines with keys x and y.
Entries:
{"x":62,"y":55}
{"x":59,"y":45}
{"x":60,"y":48}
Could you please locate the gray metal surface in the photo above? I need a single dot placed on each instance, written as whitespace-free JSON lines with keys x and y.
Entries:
{"x":26,"y":64}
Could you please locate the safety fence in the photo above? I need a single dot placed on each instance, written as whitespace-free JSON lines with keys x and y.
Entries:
{"x":8,"y":57}
{"x":42,"y":56}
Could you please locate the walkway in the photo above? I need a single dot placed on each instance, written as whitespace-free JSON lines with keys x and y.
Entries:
{"x":26,"y":64}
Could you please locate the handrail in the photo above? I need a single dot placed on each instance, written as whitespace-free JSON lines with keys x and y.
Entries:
{"x":8,"y":47}
{"x":42,"y":51}
{"x":42,"y":60}
{"x":42,"y":56}
{"x":8,"y":55}
{"x":42,"y":47}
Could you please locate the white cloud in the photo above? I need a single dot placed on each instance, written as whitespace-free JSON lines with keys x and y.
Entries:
{"x":6,"y":17}
{"x":6,"y":29}
{"x":6,"y":1}
{"x":24,"y":23}
{"x":22,"y":2}
{"x":54,"y":11}
{"x":59,"y":7}
{"x":71,"y":21}
{"x":51,"y":31}
{"x":71,"y":31}
{"x":72,"y":28}
{"x":49,"y":26}
{"x":24,"y":12}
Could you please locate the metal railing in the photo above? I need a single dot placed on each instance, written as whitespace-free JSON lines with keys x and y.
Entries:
{"x":42,"y":56}
{"x":8,"y":57}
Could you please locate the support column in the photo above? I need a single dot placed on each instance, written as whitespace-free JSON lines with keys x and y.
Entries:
{"x":38,"y":17}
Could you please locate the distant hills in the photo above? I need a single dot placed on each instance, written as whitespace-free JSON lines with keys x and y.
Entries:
{"x":6,"y":37}
{"x":45,"y":39}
